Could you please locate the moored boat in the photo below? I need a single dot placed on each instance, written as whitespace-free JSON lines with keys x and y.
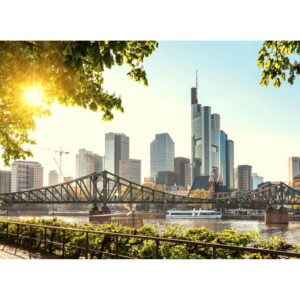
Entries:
{"x":193,"y":214}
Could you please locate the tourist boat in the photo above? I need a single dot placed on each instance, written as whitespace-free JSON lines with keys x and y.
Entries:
{"x":193,"y":214}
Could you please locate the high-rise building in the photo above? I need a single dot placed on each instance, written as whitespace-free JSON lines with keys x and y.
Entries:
{"x":294,"y":168}
{"x":161,"y":154}
{"x":244,"y":178}
{"x":130,"y":169}
{"x":182,"y":169}
{"x":5,"y":182}
{"x":116,"y":149}
{"x":205,"y":138}
{"x":53,"y":177}
{"x":26,"y":175}
{"x":167,"y":178}
{"x":88,"y":162}
{"x":256,"y":180}
{"x":223,"y":155}
{"x":229,"y":164}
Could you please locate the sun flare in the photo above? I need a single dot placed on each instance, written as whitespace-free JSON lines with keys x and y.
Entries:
{"x":34,"y":95}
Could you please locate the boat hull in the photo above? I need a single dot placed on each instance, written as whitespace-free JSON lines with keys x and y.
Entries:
{"x":195,"y":217}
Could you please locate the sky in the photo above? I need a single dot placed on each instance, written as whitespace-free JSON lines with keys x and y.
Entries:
{"x":263,"y":122}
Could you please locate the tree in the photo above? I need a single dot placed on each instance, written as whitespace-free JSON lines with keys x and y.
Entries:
{"x":278,"y":59}
{"x":65,"y":72}
{"x":200,"y":193}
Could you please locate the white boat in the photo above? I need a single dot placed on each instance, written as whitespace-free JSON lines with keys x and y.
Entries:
{"x":193,"y":214}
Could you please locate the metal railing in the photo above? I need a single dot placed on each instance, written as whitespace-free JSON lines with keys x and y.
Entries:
{"x":54,"y":240}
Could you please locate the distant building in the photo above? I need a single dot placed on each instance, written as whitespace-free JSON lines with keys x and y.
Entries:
{"x":68,"y":178}
{"x":167,"y":178}
{"x":205,"y":138}
{"x":256,"y":180}
{"x":130,"y":169}
{"x":244,"y":178}
{"x":201,"y":182}
{"x":53,"y":177}
{"x":293,"y":168}
{"x":87,"y":163}
{"x":296,"y":183}
{"x":149,"y":179}
{"x":26,"y":175}
{"x":161,"y":154}
{"x":182,"y":169}
{"x":116,"y":149}
{"x":236,"y":178}
{"x":5,"y":182}
{"x":223,"y":155}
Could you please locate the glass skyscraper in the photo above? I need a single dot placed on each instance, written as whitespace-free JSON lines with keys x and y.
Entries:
{"x":116,"y":149}
{"x":223,"y":155}
{"x":88,"y":162}
{"x":229,"y":164}
{"x":205,"y":138}
{"x":161,"y":154}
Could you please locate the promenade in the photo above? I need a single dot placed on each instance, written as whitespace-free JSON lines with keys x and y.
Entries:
{"x":9,"y":252}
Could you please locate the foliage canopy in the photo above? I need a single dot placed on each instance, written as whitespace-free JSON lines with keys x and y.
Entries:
{"x":69,"y":72}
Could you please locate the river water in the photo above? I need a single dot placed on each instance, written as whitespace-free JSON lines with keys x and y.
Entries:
{"x":290,"y":232}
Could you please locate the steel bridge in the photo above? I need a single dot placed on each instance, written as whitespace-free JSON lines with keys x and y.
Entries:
{"x":108,"y":188}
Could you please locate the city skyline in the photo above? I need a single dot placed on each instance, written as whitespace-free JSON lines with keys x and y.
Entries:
{"x":228,"y":82}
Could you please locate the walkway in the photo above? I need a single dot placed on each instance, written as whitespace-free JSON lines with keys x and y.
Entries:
{"x":10,"y":252}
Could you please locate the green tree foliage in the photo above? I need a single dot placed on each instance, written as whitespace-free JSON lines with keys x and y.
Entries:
{"x":69,"y":72}
{"x":278,"y":61}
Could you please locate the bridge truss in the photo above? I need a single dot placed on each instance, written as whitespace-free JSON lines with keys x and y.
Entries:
{"x":108,"y":188}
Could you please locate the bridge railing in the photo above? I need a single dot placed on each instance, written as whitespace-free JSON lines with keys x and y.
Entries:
{"x":67,"y":242}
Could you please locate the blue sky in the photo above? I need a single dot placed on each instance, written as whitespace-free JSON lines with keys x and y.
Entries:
{"x":262,"y":121}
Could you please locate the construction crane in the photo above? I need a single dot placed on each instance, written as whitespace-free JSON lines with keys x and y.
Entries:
{"x":58,"y":163}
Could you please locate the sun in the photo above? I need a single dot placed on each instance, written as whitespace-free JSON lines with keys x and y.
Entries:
{"x":34,"y":95}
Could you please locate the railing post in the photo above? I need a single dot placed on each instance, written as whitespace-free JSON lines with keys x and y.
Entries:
{"x":117,"y":247}
{"x":7,"y":232}
{"x":30,"y":236}
{"x":214,"y":255}
{"x":156,"y":249}
{"x":18,"y":229}
{"x":86,"y":245}
{"x":64,"y":241}
{"x":45,"y":239}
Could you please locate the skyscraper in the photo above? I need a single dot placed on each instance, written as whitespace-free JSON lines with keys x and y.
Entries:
{"x":256,"y":180}
{"x":244,"y":178}
{"x":205,"y":138}
{"x":161,"y":154}
{"x":88,"y":162}
{"x":229,"y":164}
{"x":130,"y":169}
{"x":293,"y":168}
{"x":5,"y":182}
{"x":116,"y":149}
{"x":182,"y":169}
{"x":26,"y":175}
{"x":223,"y":156}
{"x":53,"y":177}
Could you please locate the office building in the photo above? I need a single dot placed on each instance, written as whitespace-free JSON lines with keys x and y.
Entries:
{"x":130,"y":169}
{"x":5,"y":182}
{"x":162,"y":151}
{"x":223,"y":155}
{"x":87,"y":163}
{"x":293,"y":168}
{"x":205,"y":138}
{"x":26,"y":175}
{"x":244,"y":178}
{"x":167,"y":178}
{"x":116,"y":149}
{"x":229,"y":165}
{"x":182,"y":169}
{"x":256,"y":180}
{"x":53,"y":177}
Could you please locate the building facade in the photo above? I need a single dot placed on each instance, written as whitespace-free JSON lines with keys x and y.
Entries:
{"x":256,"y":180}
{"x":205,"y":140}
{"x":229,"y":164}
{"x":162,"y":151}
{"x":167,"y":178}
{"x":53,"y":177}
{"x":244,"y":178}
{"x":116,"y":149}
{"x":182,"y":169}
{"x":293,"y":168}
{"x":130,"y":169}
{"x":88,"y":162}
{"x":223,"y":155}
{"x":5,"y":182}
{"x":26,"y":175}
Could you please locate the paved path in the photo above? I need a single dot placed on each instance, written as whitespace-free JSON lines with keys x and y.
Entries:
{"x":9,"y":252}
